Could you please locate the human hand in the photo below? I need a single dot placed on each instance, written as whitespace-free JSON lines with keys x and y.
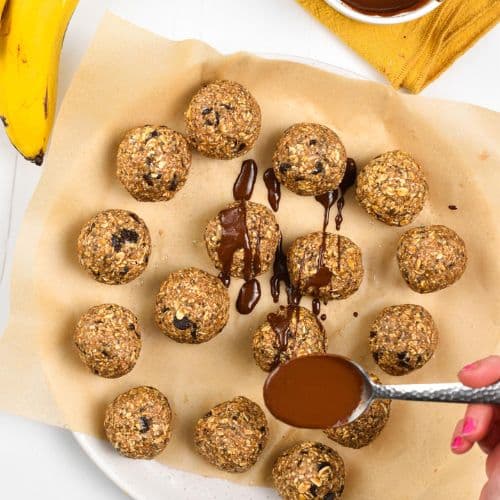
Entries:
{"x":481,"y":423}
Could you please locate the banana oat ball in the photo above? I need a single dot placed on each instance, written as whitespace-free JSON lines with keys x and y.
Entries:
{"x":290,"y":332}
{"x":153,"y":162}
{"x":431,"y":258}
{"x":263,"y":234}
{"x":192,"y":306}
{"x":138,"y":423}
{"x":114,"y":246}
{"x":223,"y":120}
{"x":366,"y":427}
{"x":392,"y":188}
{"x":108,"y":339}
{"x":309,"y":470}
{"x":403,"y":338}
{"x":309,"y":159}
{"x":340,"y":274}
{"x":232,"y":435}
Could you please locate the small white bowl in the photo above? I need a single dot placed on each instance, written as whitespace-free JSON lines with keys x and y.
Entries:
{"x":402,"y":17}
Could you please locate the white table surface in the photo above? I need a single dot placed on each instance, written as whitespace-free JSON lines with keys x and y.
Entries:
{"x":38,"y":461}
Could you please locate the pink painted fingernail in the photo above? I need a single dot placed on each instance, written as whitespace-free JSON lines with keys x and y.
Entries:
{"x":469,"y":425}
{"x":457,"y":443}
{"x":470,"y":366}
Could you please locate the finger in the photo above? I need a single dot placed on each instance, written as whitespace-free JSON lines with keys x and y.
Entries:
{"x":493,"y":462}
{"x":477,"y":422}
{"x":491,"y":441}
{"x":481,"y":373}
{"x":491,"y":490}
{"x":459,"y":444}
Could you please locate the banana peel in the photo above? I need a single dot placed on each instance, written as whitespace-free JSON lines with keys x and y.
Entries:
{"x":31,"y":37}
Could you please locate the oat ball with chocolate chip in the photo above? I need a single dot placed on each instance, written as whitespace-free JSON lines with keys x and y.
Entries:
{"x":223,"y":120}
{"x":114,"y":246}
{"x":309,"y":470}
{"x":138,"y":423}
{"x":192,"y":306}
{"x":309,"y":159}
{"x":326,"y":266}
{"x":431,"y":258}
{"x":403,"y":338}
{"x":232,"y":435}
{"x":251,"y":222}
{"x":362,"y":431}
{"x":392,"y":188}
{"x":153,"y":162}
{"x":108,"y":339}
{"x":290,"y":332}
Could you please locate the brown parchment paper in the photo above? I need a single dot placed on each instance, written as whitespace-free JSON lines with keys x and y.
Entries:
{"x":130,"y":77}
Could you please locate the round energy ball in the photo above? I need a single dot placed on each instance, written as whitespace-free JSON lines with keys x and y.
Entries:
{"x":309,"y":159}
{"x":138,"y":423}
{"x":192,"y":306}
{"x":108,"y":339}
{"x":309,"y":470}
{"x":114,"y":246}
{"x":305,"y":336}
{"x":342,"y":264}
{"x":232,"y":435}
{"x":366,"y":427}
{"x":403,"y":338}
{"x":263,"y":234}
{"x":223,"y":120}
{"x":153,"y":162}
{"x":392,"y":188}
{"x":431,"y":258}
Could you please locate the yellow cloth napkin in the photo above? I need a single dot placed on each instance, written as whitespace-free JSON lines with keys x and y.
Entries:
{"x":413,"y":54}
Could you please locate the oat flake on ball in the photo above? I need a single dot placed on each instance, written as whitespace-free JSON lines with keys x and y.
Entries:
{"x":232,"y":434}
{"x":223,"y":120}
{"x":114,"y":246}
{"x":138,"y":423}
{"x":108,"y":339}
{"x":192,"y":306}
{"x":309,"y":159}
{"x":153,"y":162}
{"x":392,"y":188}
{"x":431,"y":258}
{"x":309,"y":470}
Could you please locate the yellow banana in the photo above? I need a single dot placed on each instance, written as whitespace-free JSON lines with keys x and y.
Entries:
{"x":31,"y":36}
{"x":2,"y":5}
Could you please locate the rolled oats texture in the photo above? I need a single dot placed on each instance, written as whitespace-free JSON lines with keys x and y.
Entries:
{"x":392,"y":188}
{"x":114,"y":246}
{"x":153,"y":162}
{"x":431,"y":258}
{"x":138,"y":423}
{"x":309,"y":470}
{"x":192,"y":306}
{"x":309,"y":159}
{"x":108,"y":340}
{"x":232,"y":435}
{"x":403,"y":338}
{"x":223,"y":120}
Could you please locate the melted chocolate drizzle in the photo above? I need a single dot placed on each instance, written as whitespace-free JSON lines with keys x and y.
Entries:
{"x":347,"y":182}
{"x":280,"y":274}
{"x":281,"y":325}
{"x":273,"y":189}
{"x":245,"y":182}
{"x":248,"y":296}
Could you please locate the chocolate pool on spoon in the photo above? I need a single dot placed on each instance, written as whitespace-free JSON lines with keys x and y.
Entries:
{"x":322,"y":390}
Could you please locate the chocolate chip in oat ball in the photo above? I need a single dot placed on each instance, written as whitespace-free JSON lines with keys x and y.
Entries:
{"x":431,"y":258}
{"x":138,"y":423}
{"x":232,"y":435}
{"x":192,"y":306}
{"x":309,"y":159}
{"x":362,"y":431}
{"x":153,"y":162}
{"x":334,"y":273}
{"x":290,"y":332}
{"x":108,"y":339}
{"x":223,"y":120}
{"x":309,"y":470}
{"x":114,"y":246}
{"x":256,"y":227}
{"x":404,"y":337}
{"x":392,"y":188}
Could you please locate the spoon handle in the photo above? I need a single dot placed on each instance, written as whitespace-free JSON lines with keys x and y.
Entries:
{"x":445,"y":393}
